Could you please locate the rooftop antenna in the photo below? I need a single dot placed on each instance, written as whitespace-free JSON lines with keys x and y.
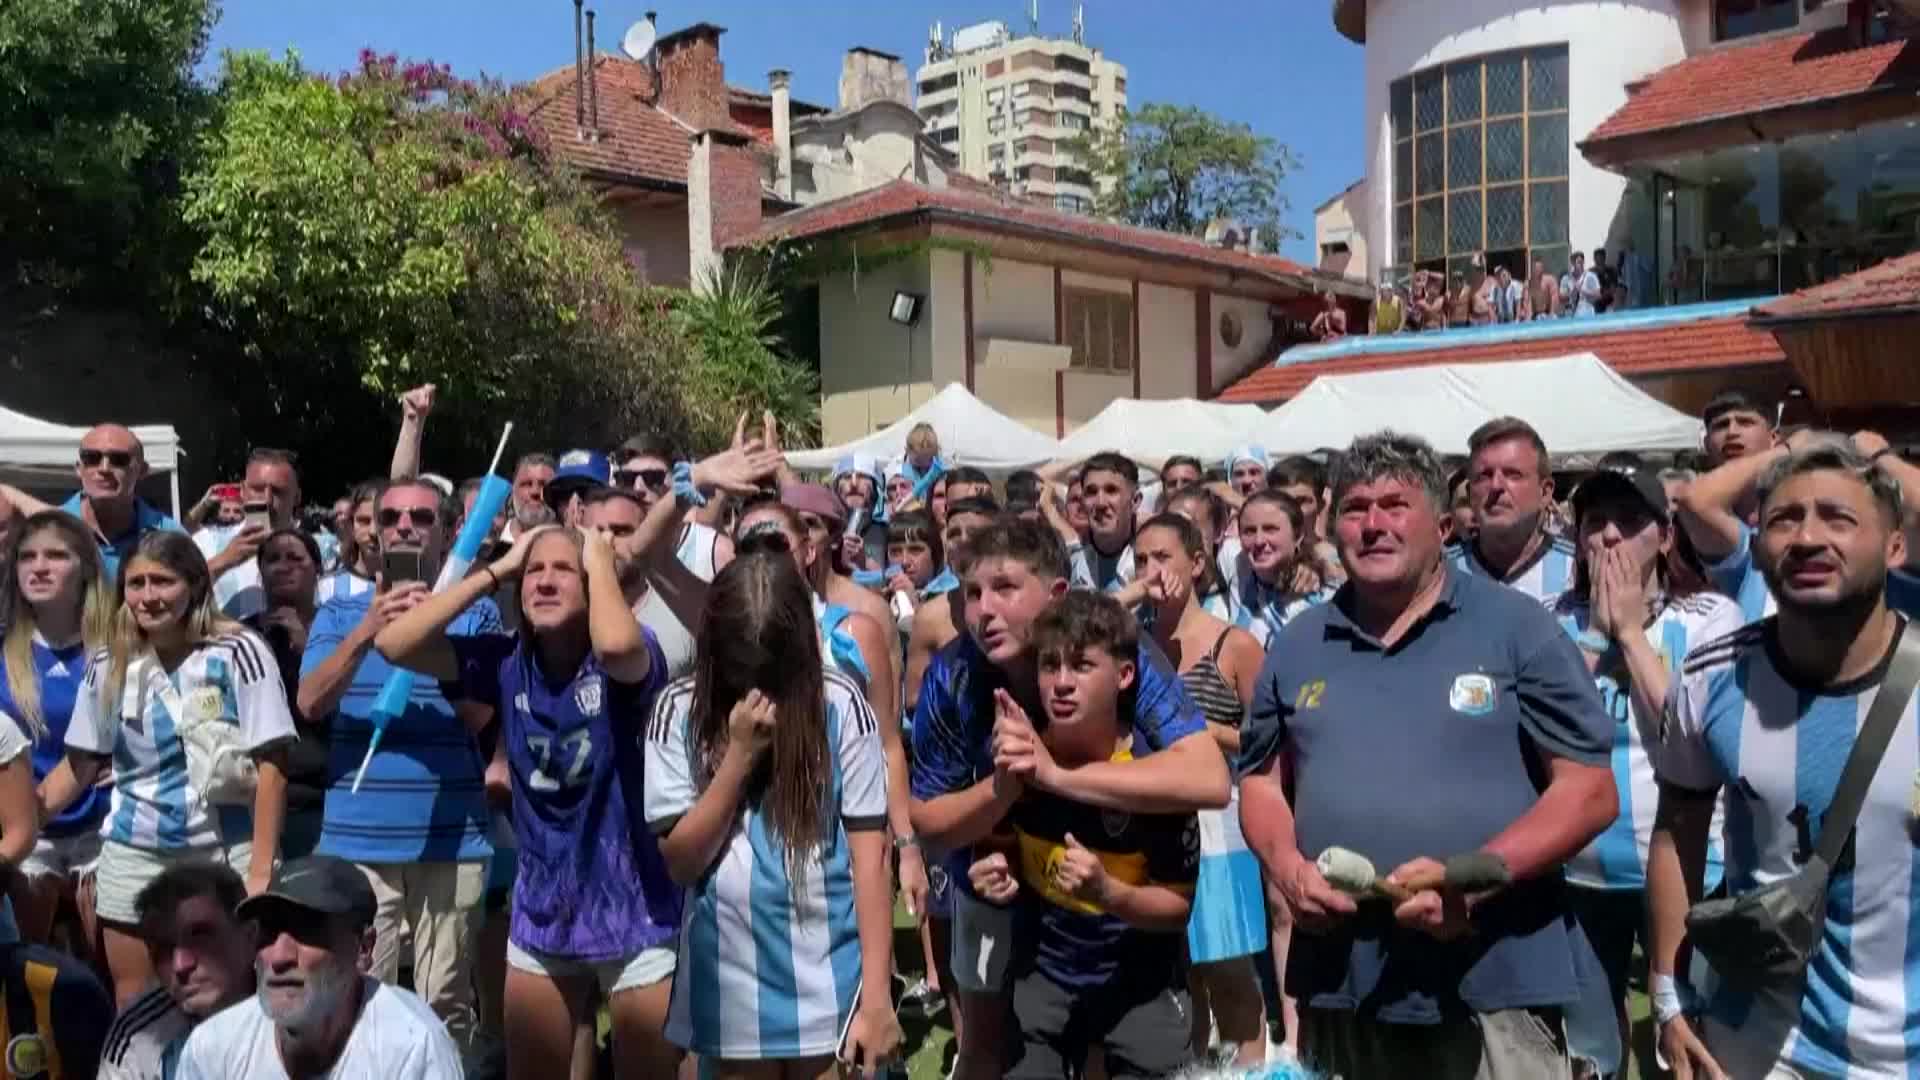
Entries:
{"x":1033,"y":18}
{"x":1079,"y":24}
{"x":579,"y":75}
{"x":593,"y":84}
{"x":638,"y":44}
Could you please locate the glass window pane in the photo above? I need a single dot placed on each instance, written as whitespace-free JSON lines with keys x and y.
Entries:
{"x":1463,"y":92}
{"x":1506,"y":146}
{"x":1403,"y":171}
{"x":1403,"y":234}
{"x":1463,"y":156}
{"x":1431,"y":228}
{"x":1554,"y":257}
{"x":1430,"y":165}
{"x":1547,"y":213}
{"x":1463,"y":221}
{"x":1506,"y":81}
{"x":1741,"y":18}
{"x":1402,"y":108}
{"x":1428,"y":96}
{"x":1547,"y":79}
{"x":1506,"y":217}
{"x":1547,"y":145}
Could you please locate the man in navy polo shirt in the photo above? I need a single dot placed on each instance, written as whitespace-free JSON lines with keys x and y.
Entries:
{"x":111,"y":464}
{"x":1424,"y":713}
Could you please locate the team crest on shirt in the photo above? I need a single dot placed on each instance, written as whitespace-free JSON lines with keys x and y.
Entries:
{"x":26,"y":1056}
{"x":1472,"y":694}
{"x":1115,"y":821}
{"x":588,"y":696}
{"x":521,"y":703}
{"x":203,"y":705}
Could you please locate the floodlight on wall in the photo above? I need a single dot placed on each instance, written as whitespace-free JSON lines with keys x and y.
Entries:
{"x":905,"y":309}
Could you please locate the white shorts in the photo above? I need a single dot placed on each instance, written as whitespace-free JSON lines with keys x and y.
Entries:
{"x":123,"y":871}
{"x":644,"y":968}
{"x":71,"y":857}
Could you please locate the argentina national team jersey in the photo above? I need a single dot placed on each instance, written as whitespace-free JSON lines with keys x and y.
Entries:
{"x":769,"y":966}
{"x":1735,"y":720}
{"x":1738,"y":575}
{"x":1261,"y":609}
{"x":230,"y":679}
{"x":1617,"y":858}
{"x":1089,"y":568}
{"x":1546,"y":575}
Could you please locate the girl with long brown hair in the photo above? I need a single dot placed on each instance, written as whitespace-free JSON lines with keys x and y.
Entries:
{"x":62,"y":607}
{"x":190,"y":709}
{"x":766,"y":783}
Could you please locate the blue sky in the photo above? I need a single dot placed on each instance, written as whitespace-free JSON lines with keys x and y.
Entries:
{"x":1277,"y":66}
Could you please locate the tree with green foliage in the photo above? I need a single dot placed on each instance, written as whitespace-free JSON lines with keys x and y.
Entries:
{"x":1177,"y":168}
{"x":398,"y":225}
{"x":740,"y":362}
{"x":98,"y":106}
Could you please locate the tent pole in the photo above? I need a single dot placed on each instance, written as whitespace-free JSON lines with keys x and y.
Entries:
{"x":173,"y":481}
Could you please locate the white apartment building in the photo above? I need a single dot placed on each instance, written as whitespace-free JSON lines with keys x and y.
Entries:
{"x":1003,"y":105}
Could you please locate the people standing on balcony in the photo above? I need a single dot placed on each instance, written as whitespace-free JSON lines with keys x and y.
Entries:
{"x":1609,"y":282}
{"x":1543,"y":292}
{"x":1389,"y":314}
{"x":1331,"y":322}
{"x":1433,"y":304}
{"x":1509,"y":299}
{"x":1459,"y":300}
{"x":1481,"y":313}
{"x":1579,"y":288}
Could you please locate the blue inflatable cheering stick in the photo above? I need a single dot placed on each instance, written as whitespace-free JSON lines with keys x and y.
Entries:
{"x":466,"y":548}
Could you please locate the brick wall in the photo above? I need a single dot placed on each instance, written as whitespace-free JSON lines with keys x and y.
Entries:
{"x":693,"y":81}
{"x":736,"y":192}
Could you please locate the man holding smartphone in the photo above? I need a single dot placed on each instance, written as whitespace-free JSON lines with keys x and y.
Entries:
{"x":268,"y":498}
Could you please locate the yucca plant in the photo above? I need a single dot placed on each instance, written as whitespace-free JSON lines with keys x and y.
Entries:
{"x":742,"y":365}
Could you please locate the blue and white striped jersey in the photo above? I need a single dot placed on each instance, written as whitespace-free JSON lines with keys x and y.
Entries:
{"x":1545,"y":576}
{"x":769,"y":966}
{"x":1258,"y":608}
{"x":230,"y":678}
{"x":1735,"y":720}
{"x":1087,"y":568}
{"x":1738,"y":575}
{"x":340,"y":583}
{"x":1617,"y":858}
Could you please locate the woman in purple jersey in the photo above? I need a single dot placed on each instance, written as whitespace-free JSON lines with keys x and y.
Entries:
{"x":593,"y":906}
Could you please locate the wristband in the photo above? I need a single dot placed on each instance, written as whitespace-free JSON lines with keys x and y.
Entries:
{"x":684,"y":490}
{"x":493,"y":579}
{"x":1874,"y":458}
{"x":902,"y":843}
{"x":1664,"y":994}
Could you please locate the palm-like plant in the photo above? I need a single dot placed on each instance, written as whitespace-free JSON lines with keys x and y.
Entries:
{"x":741,"y":362}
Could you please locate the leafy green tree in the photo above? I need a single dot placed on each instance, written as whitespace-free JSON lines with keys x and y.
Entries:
{"x":398,"y":225}
{"x":1176,"y":168}
{"x":97,"y":106}
{"x":740,"y":361}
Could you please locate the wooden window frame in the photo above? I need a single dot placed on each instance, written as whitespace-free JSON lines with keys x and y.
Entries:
{"x":1079,"y":309}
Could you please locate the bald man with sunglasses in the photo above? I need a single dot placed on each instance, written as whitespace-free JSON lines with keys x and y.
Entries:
{"x":110,"y":465}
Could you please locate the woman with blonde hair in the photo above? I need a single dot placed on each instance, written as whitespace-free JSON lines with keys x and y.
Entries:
{"x":62,"y":608}
{"x":190,"y":709}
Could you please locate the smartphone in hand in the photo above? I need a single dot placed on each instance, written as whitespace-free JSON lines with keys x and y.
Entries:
{"x":259,"y":515}
{"x":399,"y":566}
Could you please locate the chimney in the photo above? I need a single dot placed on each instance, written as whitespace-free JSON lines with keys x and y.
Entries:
{"x":777,"y":81}
{"x":869,"y":75}
{"x":593,"y":83}
{"x":693,"y":83}
{"x":579,"y":75}
{"x":723,"y":200}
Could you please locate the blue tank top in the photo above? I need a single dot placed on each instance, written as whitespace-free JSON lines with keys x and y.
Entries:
{"x":61,"y":672}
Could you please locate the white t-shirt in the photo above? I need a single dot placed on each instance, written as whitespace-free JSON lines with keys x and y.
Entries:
{"x":13,"y":744}
{"x":396,"y":1038}
{"x":239,"y":591}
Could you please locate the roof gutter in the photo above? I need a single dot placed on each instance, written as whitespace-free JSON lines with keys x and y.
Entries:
{"x":1892,"y":311}
{"x":632,"y":180}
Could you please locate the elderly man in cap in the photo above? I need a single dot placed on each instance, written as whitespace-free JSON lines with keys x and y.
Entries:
{"x":315,"y":1013}
{"x":856,"y":481}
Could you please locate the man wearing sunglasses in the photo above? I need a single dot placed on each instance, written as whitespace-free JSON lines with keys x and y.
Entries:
{"x":271,"y":488}
{"x":315,"y":1014}
{"x":418,"y":827}
{"x":111,"y":465}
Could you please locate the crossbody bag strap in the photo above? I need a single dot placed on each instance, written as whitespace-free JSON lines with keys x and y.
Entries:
{"x":1896,"y":690}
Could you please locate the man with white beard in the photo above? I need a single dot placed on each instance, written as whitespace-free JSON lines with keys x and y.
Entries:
{"x":314,"y":1015}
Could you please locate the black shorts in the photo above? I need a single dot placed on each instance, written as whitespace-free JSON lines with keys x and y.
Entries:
{"x":1145,"y":1027}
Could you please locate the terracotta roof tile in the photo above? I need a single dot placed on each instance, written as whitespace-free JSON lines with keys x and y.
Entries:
{"x":899,"y":197}
{"x":1775,"y":73}
{"x":638,"y":141}
{"x":1726,"y":341}
{"x":1891,"y":285}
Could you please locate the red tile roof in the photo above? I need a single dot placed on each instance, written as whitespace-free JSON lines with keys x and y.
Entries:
{"x":1890,"y":286}
{"x":899,"y":198}
{"x":1706,"y":344}
{"x":638,"y":141}
{"x":1776,"y":73}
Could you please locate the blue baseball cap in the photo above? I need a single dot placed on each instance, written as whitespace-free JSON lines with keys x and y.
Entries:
{"x":578,"y":470}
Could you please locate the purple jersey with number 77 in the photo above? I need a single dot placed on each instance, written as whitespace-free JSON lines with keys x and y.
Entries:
{"x":591,"y":884}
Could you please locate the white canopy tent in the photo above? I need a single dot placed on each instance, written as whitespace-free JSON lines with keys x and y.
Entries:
{"x":1580,"y":406}
{"x":38,"y":453}
{"x":971,"y":433}
{"x":1155,"y":430}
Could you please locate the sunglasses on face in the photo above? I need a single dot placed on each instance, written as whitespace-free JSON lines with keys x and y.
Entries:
{"x":771,"y":541}
{"x":119,"y":459}
{"x":422,"y":517}
{"x":651,"y":479}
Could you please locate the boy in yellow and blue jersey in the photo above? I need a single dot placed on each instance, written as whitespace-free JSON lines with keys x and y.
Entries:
{"x":1103,"y":896}
{"x":54,"y":1017}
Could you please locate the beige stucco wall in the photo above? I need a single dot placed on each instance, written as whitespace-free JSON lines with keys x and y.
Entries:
{"x":655,"y":240}
{"x":1012,"y":300}
{"x":873,"y":371}
{"x":1336,"y":221}
{"x":1256,"y":330}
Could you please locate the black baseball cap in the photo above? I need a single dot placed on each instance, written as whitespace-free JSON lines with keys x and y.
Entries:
{"x":1643,"y":484}
{"x":320,"y":884}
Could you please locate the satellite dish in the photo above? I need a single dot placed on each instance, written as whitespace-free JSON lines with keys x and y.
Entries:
{"x":638,"y":43}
